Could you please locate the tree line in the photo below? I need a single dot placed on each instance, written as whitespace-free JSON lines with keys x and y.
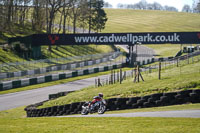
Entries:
{"x":50,"y":14}
{"x":144,"y":5}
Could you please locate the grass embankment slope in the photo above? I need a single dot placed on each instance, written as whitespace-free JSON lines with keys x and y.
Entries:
{"x":127,"y":20}
{"x":59,"y":52}
{"x":173,"y":79}
{"x":123,"y":20}
{"x":56,"y":52}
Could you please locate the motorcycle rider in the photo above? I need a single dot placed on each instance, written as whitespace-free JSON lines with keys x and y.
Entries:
{"x":95,"y":100}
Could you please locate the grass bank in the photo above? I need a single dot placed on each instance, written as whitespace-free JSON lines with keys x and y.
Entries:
{"x":128,"y":20}
{"x":14,"y":121}
{"x":108,"y":125}
{"x":173,"y":79}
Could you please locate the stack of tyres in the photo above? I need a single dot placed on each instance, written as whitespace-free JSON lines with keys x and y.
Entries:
{"x":60,"y":110}
{"x":54,"y":110}
{"x":154,"y":100}
{"x":195,"y":96}
{"x":140,"y":102}
{"x":47,"y":111}
{"x":182,"y":96}
{"x":146,"y":102}
{"x":66,"y":109}
{"x":132,"y":102}
{"x":78,"y":108}
{"x":111,"y":104}
{"x":171,"y":97}
{"x":121,"y":103}
{"x":164,"y":100}
{"x":73,"y":108}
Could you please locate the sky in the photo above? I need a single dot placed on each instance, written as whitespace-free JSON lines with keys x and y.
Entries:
{"x":176,"y":3}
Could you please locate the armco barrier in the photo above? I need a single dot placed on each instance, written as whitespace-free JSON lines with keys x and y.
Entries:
{"x":67,"y":66}
{"x":53,"y":77}
{"x":154,"y":100}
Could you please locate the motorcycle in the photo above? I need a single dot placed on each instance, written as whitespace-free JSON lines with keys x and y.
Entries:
{"x":99,"y":107}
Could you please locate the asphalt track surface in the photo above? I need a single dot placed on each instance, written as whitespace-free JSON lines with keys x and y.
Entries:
{"x":18,"y":99}
{"x":171,"y":114}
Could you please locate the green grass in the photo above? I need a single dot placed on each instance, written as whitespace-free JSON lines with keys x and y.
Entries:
{"x":60,"y":52}
{"x":173,"y":79}
{"x":165,"y":50}
{"x":127,"y":20}
{"x":9,"y":56}
{"x":155,"y":109}
{"x":14,"y":121}
{"x":106,"y":125}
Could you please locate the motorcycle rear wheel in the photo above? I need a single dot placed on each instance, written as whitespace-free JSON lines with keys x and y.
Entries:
{"x":84,"y":111}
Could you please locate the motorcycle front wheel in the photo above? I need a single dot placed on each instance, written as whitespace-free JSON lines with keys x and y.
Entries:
{"x":102,"y":109}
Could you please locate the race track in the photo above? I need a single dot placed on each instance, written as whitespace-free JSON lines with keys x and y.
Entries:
{"x":173,"y":114}
{"x":13,"y":100}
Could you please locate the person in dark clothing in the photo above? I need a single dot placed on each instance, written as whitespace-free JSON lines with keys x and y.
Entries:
{"x":95,"y":100}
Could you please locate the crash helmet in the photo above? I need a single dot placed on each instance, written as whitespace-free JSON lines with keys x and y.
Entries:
{"x":101,"y":95}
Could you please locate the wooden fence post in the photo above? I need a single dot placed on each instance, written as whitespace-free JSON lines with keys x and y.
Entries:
{"x":159,"y":71}
{"x":177,"y":63}
{"x":117,"y":76}
{"x":114,"y":76}
{"x":96,"y":83}
{"x":120,"y":76}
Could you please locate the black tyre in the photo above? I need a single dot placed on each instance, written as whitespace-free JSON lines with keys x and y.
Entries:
{"x":150,"y":100}
{"x":159,"y":103}
{"x":179,"y":96}
{"x":147,"y":104}
{"x":156,"y":96}
{"x":84,"y":111}
{"x":145,"y":98}
{"x":102,"y":109}
{"x":185,"y":93}
{"x":132,"y":100}
{"x":164,"y":99}
{"x":135,"y":106}
{"x":196,"y":91}
{"x":140,"y":102}
{"x":171,"y":95}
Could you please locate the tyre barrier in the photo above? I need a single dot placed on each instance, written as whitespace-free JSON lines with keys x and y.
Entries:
{"x":59,"y":94}
{"x":154,"y":100}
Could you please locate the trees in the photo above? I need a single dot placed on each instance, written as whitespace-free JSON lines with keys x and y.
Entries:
{"x":107,"y":5}
{"x":42,"y":13}
{"x":157,"y":6}
{"x":196,"y":6}
{"x":98,"y":17}
{"x":186,"y":8}
{"x":53,"y":8}
{"x":65,"y":13}
{"x":38,"y":19}
{"x":143,"y":5}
